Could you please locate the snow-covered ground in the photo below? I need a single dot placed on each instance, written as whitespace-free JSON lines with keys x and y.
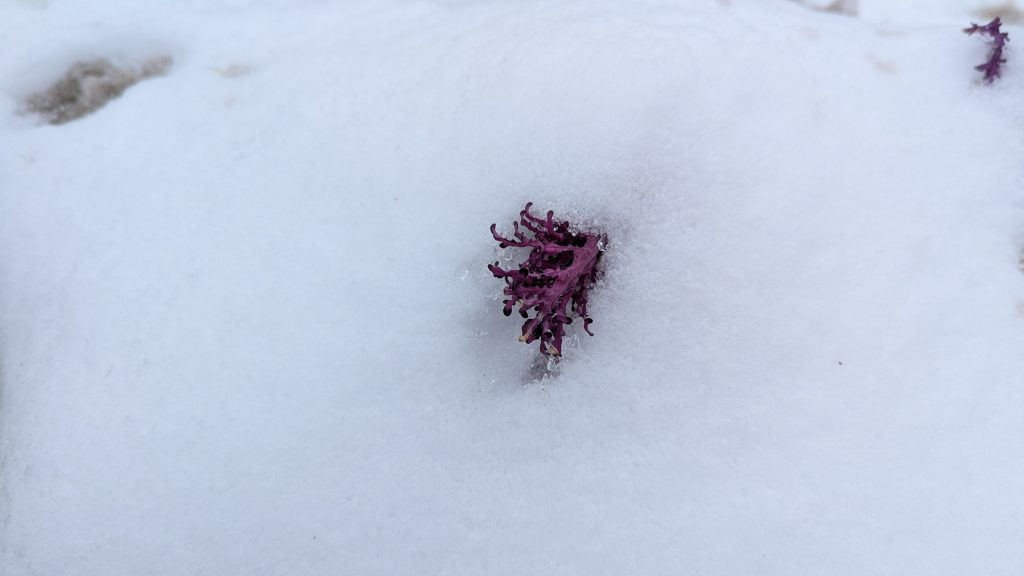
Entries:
{"x":246,"y":325}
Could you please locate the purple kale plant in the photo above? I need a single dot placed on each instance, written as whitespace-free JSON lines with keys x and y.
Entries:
{"x":995,"y":56}
{"x":554,"y":280}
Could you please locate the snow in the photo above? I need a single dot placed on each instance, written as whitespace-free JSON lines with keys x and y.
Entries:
{"x":246,"y":325}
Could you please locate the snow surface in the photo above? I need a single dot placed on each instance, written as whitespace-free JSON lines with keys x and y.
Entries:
{"x":246,"y":325}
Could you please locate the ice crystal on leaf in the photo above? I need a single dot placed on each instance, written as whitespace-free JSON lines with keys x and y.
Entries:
{"x":555,"y":279}
{"x":995,"y":56}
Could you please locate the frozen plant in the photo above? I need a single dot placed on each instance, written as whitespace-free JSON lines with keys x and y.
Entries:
{"x":553,"y":281}
{"x":995,"y":56}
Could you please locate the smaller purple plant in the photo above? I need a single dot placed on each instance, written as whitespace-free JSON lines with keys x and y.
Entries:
{"x":553,"y":281}
{"x":995,"y":56}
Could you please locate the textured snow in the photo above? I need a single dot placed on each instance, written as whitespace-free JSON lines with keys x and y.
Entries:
{"x":246,"y":325}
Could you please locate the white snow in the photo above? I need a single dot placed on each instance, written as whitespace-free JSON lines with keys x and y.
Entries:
{"x":246,"y":325}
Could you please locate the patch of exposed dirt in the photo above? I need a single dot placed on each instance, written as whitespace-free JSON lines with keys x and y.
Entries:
{"x":87,"y":87}
{"x":841,"y":7}
{"x":1008,"y":11}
